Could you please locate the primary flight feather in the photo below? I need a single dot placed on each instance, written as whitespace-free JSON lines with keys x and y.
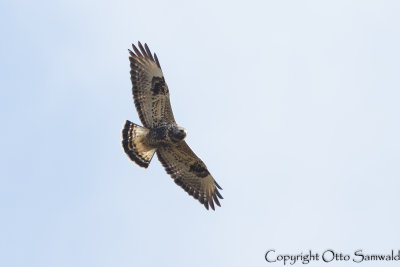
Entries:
{"x":161,"y":134}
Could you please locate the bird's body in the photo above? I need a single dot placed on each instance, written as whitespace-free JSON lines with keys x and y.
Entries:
{"x":161,"y":134}
{"x":165,"y":135}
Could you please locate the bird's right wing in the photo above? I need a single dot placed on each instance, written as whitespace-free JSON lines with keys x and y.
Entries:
{"x":150,"y":91}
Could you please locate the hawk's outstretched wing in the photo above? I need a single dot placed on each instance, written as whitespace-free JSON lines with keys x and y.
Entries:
{"x":190,"y":173}
{"x":150,"y":91}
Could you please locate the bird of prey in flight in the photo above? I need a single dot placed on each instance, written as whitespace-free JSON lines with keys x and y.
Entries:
{"x":160,"y":133}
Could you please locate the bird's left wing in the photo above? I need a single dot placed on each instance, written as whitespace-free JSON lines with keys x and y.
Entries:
{"x":150,"y":91}
{"x":189,"y":172}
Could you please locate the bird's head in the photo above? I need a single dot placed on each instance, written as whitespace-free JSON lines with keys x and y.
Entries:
{"x":177,"y":133}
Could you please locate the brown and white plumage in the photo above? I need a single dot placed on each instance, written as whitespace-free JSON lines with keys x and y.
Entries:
{"x":160,"y":133}
{"x":190,"y":173}
{"x":150,"y":91}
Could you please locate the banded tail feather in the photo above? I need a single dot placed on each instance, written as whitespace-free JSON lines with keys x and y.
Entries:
{"x":133,"y":137}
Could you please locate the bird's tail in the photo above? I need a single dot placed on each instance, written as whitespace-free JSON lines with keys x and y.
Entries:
{"x":133,"y":137}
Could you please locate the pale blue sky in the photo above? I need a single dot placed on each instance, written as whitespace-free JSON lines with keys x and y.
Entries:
{"x":293,"y":106}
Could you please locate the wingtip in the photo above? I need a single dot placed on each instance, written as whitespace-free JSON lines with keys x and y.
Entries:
{"x":216,"y":200}
{"x":156,"y":59}
{"x":218,"y":194}
{"x":137,"y":52}
{"x":143,"y":52}
{"x":131,"y":54}
{"x":217,"y":185}
{"x":211,"y":204}
{"x":148,"y":52}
